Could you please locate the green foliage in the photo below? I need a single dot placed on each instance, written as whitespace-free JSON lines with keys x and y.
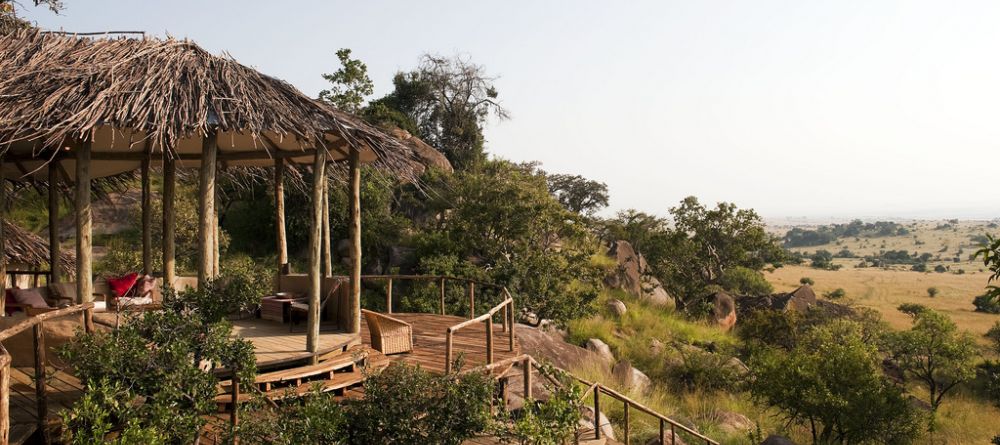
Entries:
{"x":185,"y":232}
{"x":932,"y":292}
{"x":934,"y":352}
{"x":153,"y":358}
{"x":704,"y":243}
{"x":640,"y":229}
{"x":405,"y":404}
{"x":990,"y":301}
{"x":350,"y":83}
{"x":704,"y":371}
{"x":547,"y":422}
{"x":744,"y":281}
{"x":836,"y":294}
{"x":446,"y":102}
{"x":806,"y":281}
{"x":832,"y":382}
{"x":121,"y":257}
{"x":578,"y":194}
{"x":317,"y":418}
{"x":822,"y":259}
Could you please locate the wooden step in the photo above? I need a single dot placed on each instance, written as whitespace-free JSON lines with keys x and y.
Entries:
{"x":21,"y":432}
{"x":340,"y":380}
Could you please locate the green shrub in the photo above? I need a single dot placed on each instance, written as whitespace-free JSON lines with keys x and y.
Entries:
{"x":745,"y":281}
{"x":548,"y":422}
{"x":806,"y":281}
{"x":932,"y":292}
{"x":836,"y":294}
{"x":703,"y":371}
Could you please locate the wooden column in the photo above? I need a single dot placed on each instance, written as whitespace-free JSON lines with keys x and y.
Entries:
{"x":147,"y":218}
{"x":169,"y":223}
{"x":216,"y":233}
{"x":354,"y":310}
{"x":206,"y":209}
{"x":84,"y":221}
{"x":327,"y":243}
{"x":315,"y":250}
{"x":41,"y":396}
{"x":3,"y":239}
{"x":55,"y":273}
{"x":279,"y":213}
{"x":4,"y":397}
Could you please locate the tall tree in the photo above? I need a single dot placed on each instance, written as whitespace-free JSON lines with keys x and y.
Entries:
{"x":10,"y":21}
{"x":351,"y":84}
{"x":578,"y":194}
{"x":445,"y":101}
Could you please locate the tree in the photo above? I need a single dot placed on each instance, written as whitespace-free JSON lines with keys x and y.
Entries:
{"x":351,"y":84}
{"x":9,"y":20}
{"x":934,"y":352}
{"x":832,"y":382}
{"x":932,"y":292}
{"x":822,"y":259}
{"x":990,"y":301}
{"x":704,"y":243}
{"x":445,"y":101}
{"x":579,"y":194}
{"x":806,"y":281}
{"x":645,"y":232}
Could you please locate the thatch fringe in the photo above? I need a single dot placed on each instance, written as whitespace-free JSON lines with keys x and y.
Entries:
{"x":22,"y":247}
{"x":56,"y":88}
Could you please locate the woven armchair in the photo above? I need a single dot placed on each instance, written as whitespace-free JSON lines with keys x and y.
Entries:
{"x":389,"y":335}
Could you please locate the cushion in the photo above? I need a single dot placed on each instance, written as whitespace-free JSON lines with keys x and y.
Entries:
{"x":8,"y":300}
{"x":147,"y":286}
{"x":63,"y":290}
{"x":125,"y":302}
{"x":30,"y":297}
{"x":121,"y":285}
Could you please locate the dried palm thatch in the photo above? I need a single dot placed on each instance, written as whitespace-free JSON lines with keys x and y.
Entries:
{"x":25,"y":249}
{"x":163,"y":95}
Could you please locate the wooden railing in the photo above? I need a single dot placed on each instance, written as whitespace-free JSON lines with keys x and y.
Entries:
{"x":528,"y":363}
{"x":37,"y":324}
{"x":34,"y":275}
{"x":505,"y":308}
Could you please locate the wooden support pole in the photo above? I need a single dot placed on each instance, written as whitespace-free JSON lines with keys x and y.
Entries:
{"x":327,"y":243}
{"x":354,"y":309}
{"x":206,"y":209}
{"x":510,"y":326}
{"x":216,"y":233}
{"x":88,"y":320}
{"x":388,"y":297}
{"x":597,"y":412}
{"x":315,"y":250}
{"x":449,"y":340}
{"x":628,"y":429}
{"x":84,"y":227}
{"x":472,"y":300}
{"x":663,"y":434}
{"x":5,"y":399}
{"x":279,"y":214}
{"x":527,"y":378}
{"x":55,"y":274}
{"x":489,"y":340}
{"x":41,"y":397}
{"x":169,"y":223}
{"x":3,"y":248}
{"x":234,"y":418}
{"x":147,"y":219}
{"x":441,"y":285}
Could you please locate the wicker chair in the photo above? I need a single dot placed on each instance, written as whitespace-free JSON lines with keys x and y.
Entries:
{"x":389,"y":335}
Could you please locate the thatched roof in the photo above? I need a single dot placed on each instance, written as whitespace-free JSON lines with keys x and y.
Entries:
{"x":128,"y":96}
{"x":25,"y":249}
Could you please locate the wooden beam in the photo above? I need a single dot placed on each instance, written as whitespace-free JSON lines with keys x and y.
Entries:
{"x":169,"y":223}
{"x":3,"y":245}
{"x":147,"y":218}
{"x":256,"y":155}
{"x":206,"y":207}
{"x":216,"y":233}
{"x":84,"y":227}
{"x":315,"y":238}
{"x":354,"y":309}
{"x":279,"y":214}
{"x":4,"y":396}
{"x":54,"y":263}
{"x":327,"y":243}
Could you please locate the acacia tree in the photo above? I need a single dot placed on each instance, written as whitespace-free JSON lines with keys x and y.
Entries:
{"x":578,"y":194}
{"x":934,"y":352}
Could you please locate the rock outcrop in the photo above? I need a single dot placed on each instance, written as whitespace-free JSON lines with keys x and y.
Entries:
{"x":587,"y":422}
{"x":630,"y":377}
{"x":723,"y":309}
{"x":775,"y":439}
{"x":426,"y":156}
{"x":631,"y":274}
{"x":734,"y":423}
{"x":600,"y":348}
{"x":617,"y":307}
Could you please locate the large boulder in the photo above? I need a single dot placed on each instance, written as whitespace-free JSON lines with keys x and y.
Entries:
{"x":775,"y":439}
{"x":601,"y":349}
{"x":653,"y":291}
{"x":723,"y":309}
{"x":425,"y":156}
{"x":734,"y":423}
{"x":587,"y":422}
{"x":617,"y":307}
{"x":627,"y":274}
{"x":799,"y":300}
{"x":630,"y":377}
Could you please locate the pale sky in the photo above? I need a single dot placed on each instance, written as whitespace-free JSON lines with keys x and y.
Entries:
{"x":794,"y":108}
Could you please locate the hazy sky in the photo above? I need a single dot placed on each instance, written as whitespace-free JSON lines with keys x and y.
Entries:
{"x":795,"y":108}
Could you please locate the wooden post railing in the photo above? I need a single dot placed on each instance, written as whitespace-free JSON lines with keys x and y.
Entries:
{"x":388,"y":297}
{"x":472,"y":299}
{"x":488,"y":319}
{"x":37,"y":325}
{"x":442,"y":295}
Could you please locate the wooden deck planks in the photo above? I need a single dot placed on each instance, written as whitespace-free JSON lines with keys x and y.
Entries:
{"x":429,"y":336}
{"x":274,"y":345}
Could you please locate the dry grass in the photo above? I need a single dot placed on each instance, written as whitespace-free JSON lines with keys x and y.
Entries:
{"x":885,"y":290}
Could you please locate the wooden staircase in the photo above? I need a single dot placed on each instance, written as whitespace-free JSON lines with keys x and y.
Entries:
{"x":336,"y":372}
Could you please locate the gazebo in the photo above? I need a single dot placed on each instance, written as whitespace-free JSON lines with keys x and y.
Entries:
{"x":76,"y":109}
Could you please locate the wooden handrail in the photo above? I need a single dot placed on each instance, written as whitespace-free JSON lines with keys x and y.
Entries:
{"x":507,"y":306}
{"x":37,"y":324}
{"x":442,"y":283}
{"x":596,"y":388}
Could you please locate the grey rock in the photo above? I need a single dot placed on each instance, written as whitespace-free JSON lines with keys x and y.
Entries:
{"x":602,"y":349}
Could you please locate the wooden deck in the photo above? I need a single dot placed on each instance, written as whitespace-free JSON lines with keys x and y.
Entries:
{"x":429,"y":333}
{"x":63,"y":390}
{"x":275,"y":346}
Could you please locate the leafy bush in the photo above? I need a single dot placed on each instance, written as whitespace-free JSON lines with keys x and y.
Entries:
{"x":703,"y":371}
{"x":806,"y":281}
{"x":990,"y":301}
{"x":547,"y":422}
{"x":836,"y":294}
{"x":932,"y":292}
{"x":745,"y":281}
{"x":405,"y":404}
